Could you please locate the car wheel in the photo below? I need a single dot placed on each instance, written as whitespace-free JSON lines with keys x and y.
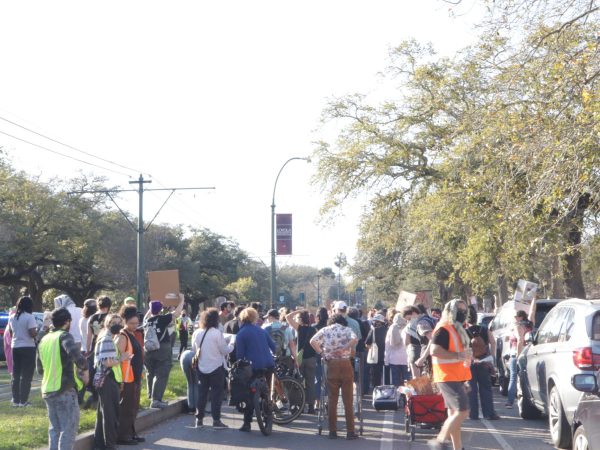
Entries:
{"x":527,"y":409}
{"x":580,"y":441}
{"x":559,"y":427}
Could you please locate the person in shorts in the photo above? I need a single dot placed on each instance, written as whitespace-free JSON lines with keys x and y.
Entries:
{"x":451,"y":360}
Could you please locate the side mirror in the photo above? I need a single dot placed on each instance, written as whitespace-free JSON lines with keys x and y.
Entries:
{"x":585,"y":383}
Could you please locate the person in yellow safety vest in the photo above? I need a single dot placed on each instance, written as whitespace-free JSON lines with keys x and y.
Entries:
{"x":451,"y":360}
{"x":64,"y":369}
{"x":107,"y":362}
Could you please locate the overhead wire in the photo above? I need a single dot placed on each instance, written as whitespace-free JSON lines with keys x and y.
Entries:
{"x":69,"y":146}
{"x":64,"y":155}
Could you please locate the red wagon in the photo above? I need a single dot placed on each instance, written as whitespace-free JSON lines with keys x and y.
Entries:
{"x":424,"y":410}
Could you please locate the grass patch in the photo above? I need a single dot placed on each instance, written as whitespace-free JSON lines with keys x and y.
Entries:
{"x":28,"y":427}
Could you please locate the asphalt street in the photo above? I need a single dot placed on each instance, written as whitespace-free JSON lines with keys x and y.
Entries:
{"x":382,"y":431}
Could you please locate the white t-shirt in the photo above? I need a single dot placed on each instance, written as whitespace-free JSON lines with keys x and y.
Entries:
{"x":83,"y":329}
{"x":20,"y":330}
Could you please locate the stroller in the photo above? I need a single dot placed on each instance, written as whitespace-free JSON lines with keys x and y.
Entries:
{"x":424,"y":410}
{"x":324,"y":402}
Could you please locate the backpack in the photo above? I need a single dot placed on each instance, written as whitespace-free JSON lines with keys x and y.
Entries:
{"x":151,"y":340}
{"x":478,"y":345}
{"x":278,"y":336}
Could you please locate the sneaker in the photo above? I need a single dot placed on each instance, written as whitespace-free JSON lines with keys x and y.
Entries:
{"x":508,"y":405}
{"x":199,"y":423}
{"x":15,"y":405}
{"x":139,"y":438}
{"x":493,"y":417}
{"x":157,"y":404}
{"x":333,"y":435}
{"x":434,"y":444}
{"x":218,"y":425}
{"x":25,"y":405}
{"x":352,"y":436}
{"x":246,"y":427}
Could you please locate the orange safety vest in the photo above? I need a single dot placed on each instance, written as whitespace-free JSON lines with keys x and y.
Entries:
{"x":450,"y":369}
{"x":126,"y":368}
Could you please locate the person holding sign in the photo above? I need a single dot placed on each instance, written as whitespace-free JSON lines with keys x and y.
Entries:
{"x":159,"y":358}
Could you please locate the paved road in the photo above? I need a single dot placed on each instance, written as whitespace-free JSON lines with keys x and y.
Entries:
{"x":383,"y":431}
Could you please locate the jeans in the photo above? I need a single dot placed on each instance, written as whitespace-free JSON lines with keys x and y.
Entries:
{"x":191,"y":376}
{"x":340,"y":375}
{"x":512,"y":381}
{"x":183,"y":340}
{"x":23,"y":367}
{"x":215,"y":381}
{"x":308,"y":369}
{"x":481,"y":389}
{"x":158,"y":366}
{"x":63,"y":413}
{"x":399,"y":374}
{"x":107,"y":415}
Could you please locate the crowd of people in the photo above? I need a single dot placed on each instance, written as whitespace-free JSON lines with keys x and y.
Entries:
{"x":102,"y":354}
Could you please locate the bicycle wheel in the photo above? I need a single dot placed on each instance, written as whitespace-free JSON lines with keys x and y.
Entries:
{"x":293,"y":393}
{"x":263,"y":412}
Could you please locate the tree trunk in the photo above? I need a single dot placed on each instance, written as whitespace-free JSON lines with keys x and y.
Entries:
{"x":556,"y":281}
{"x":502,"y":296}
{"x":35,"y":290}
{"x":573,"y":277}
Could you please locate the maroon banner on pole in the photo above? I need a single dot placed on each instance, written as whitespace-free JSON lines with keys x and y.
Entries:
{"x":284,"y":234}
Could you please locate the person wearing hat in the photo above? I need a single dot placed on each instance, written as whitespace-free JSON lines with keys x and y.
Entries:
{"x":376,"y":338}
{"x":340,"y":307}
{"x":158,"y":362}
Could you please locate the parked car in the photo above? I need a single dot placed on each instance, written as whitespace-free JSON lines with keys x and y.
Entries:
{"x":567,"y":343}
{"x":3,"y":323}
{"x":585,"y":430}
{"x":501,"y":327}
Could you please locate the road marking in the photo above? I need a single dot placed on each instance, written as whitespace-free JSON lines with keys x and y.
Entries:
{"x":496,"y":435}
{"x":387,"y":431}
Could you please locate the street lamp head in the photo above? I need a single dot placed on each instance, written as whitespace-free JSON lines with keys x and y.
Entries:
{"x":307,"y":159}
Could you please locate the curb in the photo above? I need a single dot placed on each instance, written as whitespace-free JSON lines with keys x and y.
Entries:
{"x":145,"y":419}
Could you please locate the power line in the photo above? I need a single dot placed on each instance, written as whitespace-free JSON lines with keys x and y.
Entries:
{"x":64,"y":155}
{"x":70,"y":146}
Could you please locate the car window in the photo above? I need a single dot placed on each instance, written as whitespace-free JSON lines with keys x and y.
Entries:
{"x":549,"y":330}
{"x":568,"y":324}
{"x":596,"y":327}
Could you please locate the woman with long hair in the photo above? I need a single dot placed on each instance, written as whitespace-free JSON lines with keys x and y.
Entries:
{"x":306,"y":353}
{"x":131,"y":369}
{"x":209,"y":341}
{"x":451,"y":360}
{"x":23,"y":329}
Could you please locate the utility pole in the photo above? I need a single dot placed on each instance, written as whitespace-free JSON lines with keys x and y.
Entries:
{"x":140,"y":229}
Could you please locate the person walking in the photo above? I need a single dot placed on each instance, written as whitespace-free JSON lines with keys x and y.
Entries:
{"x":23,"y":329}
{"x":521,"y":326}
{"x":307,"y":357}
{"x":335,"y":343}
{"x":184,"y":325}
{"x":95,"y":325}
{"x":395,"y":351}
{"x":58,"y":357}
{"x":481,"y":369}
{"x":254,"y":344}
{"x":376,"y":339}
{"x":132,"y":366}
{"x":107,"y":361}
{"x":209,"y":344}
{"x":158,"y":362}
{"x":451,"y":360}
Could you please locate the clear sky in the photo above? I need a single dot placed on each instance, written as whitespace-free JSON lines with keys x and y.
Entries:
{"x":204,"y":94}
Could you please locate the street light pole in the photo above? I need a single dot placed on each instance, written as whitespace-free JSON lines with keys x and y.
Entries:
{"x":273,"y":272}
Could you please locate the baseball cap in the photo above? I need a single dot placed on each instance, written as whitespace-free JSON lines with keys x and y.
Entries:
{"x":340,"y":305}
{"x":378,"y":318}
{"x":272,"y":313}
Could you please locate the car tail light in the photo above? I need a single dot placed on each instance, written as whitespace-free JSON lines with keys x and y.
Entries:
{"x":585,"y":359}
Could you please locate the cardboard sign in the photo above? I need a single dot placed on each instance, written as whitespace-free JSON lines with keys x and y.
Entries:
{"x":404,"y":299}
{"x":525,"y":291}
{"x":164,"y":286}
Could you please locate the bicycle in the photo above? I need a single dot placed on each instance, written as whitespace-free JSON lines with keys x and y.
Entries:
{"x":286,"y":389}
{"x":263,"y":407}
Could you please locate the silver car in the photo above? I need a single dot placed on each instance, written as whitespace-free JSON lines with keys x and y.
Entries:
{"x":567,"y":343}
